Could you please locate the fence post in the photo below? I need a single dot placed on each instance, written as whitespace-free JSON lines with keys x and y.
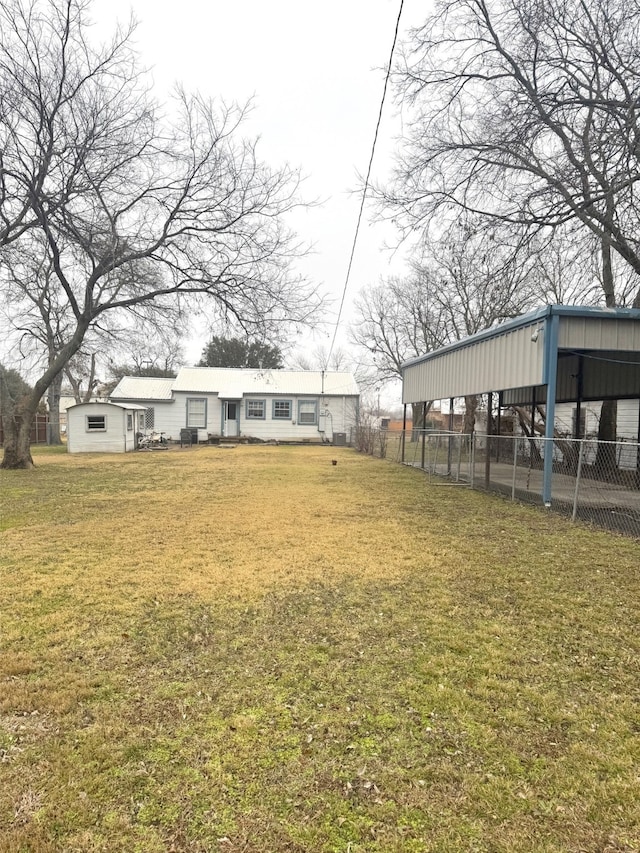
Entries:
{"x":515,"y":466}
{"x":487,"y":455}
{"x":472,"y":456}
{"x":578,"y":472}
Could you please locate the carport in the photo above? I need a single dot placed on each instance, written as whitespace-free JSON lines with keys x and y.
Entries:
{"x":557,"y":354}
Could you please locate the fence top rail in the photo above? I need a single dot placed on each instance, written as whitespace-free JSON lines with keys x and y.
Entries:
{"x":627,"y":442}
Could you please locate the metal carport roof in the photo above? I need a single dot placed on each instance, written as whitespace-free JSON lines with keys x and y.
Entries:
{"x":559,"y":353}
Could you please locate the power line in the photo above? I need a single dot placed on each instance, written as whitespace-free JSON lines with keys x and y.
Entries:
{"x":366,"y":183}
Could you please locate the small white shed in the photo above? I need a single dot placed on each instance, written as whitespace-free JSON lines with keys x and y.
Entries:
{"x":103,"y":427}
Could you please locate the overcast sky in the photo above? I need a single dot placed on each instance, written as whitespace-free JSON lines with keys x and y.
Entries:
{"x":315,"y":73}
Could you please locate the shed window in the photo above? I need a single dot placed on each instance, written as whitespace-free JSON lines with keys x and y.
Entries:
{"x":255,"y":409}
{"x":307,"y":412}
{"x":129,"y":422}
{"x":282,"y":410}
{"x":96,"y":423}
{"x":197,"y":412}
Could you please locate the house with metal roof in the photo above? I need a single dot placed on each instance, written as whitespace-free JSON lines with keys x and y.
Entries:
{"x":557,"y":355}
{"x":267,"y":405}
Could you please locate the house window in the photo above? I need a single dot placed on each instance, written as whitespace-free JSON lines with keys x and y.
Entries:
{"x":96,"y":423}
{"x":129,"y":422}
{"x":147,"y":419}
{"x":282,"y":410}
{"x":307,"y":412}
{"x":197,"y":412}
{"x":255,"y":410}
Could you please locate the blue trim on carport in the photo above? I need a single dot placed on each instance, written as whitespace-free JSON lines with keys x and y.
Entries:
{"x":550,"y":379}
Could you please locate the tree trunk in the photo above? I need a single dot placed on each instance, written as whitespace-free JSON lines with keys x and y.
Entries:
{"x":91,"y":380}
{"x":53,"y":398}
{"x":605,"y":462}
{"x":528,"y":427}
{"x":470,"y":408}
{"x":17,"y":437}
{"x":418,"y":418}
{"x":607,"y":428}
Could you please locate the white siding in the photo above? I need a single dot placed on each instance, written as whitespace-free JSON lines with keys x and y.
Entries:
{"x":627,"y":425}
{"x":336,"y":411}
{"x":177,"y":417}
{"x":333,"y":414}
{"x":171,"y":418}
{"x":113,"y":440}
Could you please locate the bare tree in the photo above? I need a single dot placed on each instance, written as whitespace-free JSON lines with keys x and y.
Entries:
{"x":480,"y":274}
{"x":81,"y":374}
{"x":396,"y":320}
{"x":319,"y":359}
{"x":91,"y":168}
{"x":466,"y":281}
{"x":528,"y":113}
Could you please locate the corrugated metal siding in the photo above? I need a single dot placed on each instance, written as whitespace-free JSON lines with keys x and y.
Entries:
{"x":509,"y":360}
{"x":524,"y":396}
{"x":601,"y":333}
{"x":567,"y":378}
{"x":606,"y":375}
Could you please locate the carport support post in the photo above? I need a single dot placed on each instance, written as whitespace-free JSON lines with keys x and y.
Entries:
{"x":404,"y":430}
{"x":424,"y":431}
{"x":487,"y":455}
{"x":450,"y":436}
{"x":550,"y":373}
{"x":638,"y":451}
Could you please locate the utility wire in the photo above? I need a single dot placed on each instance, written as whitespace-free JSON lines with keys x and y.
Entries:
{"x":366,"y":183}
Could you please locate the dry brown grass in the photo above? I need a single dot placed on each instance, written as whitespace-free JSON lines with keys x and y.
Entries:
{"x":251,"y":649}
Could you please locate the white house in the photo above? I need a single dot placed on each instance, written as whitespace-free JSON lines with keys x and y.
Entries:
{"x":626,"y":420}
{"x":280,"y":405}
{"x":99,"y":427}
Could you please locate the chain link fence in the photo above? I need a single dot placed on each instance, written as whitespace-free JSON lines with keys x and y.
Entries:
{"x":591,"y":481}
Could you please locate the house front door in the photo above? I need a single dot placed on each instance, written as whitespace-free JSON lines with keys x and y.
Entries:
{"x":230,"y":419}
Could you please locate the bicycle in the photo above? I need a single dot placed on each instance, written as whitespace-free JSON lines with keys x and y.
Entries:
{"x":152,"y":441}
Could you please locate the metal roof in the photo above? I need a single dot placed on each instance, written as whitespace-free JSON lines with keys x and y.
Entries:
{"x":142,"y":388}
{"x":234,"y":383}
{"x":583,"y":312}
{"x":523,"y":354}
{"x":127,"y":406}
{"x":567,"y":353}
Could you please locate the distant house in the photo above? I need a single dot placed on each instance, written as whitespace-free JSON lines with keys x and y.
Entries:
{"x":100,"y":427}
{"x":276,"y":405}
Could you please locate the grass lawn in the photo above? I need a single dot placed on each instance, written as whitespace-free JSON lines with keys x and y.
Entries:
{"x":254,"y":650}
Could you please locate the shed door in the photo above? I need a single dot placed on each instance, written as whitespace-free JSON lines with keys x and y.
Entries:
{"x":230,"y":418}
